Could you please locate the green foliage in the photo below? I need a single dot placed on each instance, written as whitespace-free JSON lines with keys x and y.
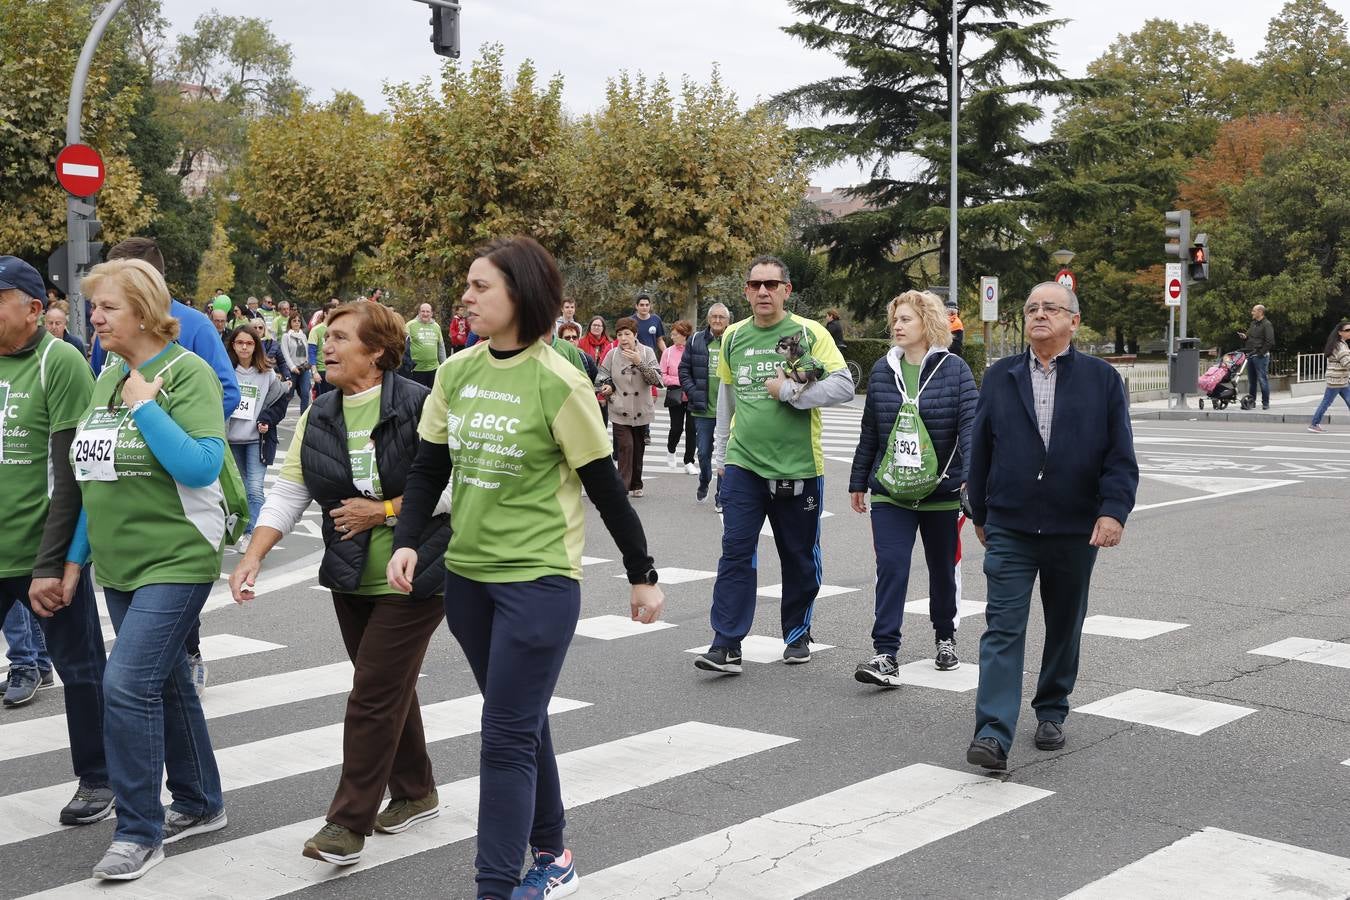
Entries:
{"x":217,"y":271}
{"x":865,"y":352}
{"x":675,"y":191}
{"x":1305,"y":64}
{"x":973,"y":352}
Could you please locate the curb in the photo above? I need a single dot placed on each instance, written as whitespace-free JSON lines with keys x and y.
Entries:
{"x":1204,"y":415}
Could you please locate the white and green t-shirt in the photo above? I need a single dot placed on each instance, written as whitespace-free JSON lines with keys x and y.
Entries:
{"x":316,"y":335}
{"x":361,"y":413}
{"x":145,"y":527}
{"x":40,"y":393}
{"x":714,"y":382}
{"x":428,"y":345}
{"x":768,"y":437}
{"x":517,"y":430}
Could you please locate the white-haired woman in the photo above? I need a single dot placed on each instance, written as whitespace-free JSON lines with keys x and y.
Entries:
{"x":911,"y":457}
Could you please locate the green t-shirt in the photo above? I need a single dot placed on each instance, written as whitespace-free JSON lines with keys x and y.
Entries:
{"x":428,"y":345}
{"x":517,"y":430}
{"x":145,"y":527}
{"x":773,"y":439}
{"x":570,"y":353}
{"x":41,"y":392}
{"x":316,"y":338}
{"x":714,"y":382}
{"x":910,"y":371}
{"x":279,"y":325}
{"x":361,"y":413}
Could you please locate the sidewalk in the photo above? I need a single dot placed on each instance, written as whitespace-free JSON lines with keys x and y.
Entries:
{"x":1283,"y":410}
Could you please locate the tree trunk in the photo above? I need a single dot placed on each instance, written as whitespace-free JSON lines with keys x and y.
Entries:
{"x":1120,"y":339}
{"x":691,"y":301}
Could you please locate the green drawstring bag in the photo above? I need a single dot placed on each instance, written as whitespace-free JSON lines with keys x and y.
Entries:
{"x":909,"y":468}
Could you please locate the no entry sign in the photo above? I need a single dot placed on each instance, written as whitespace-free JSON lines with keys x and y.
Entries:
{"x":1172,"y":284}
{"x":79,"y":168}
{"x":1068,"y":279}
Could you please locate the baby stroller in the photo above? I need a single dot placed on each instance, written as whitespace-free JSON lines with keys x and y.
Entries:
{"x":1220,"y":381}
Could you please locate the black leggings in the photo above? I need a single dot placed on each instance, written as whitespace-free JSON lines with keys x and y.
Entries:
{"x":681,"y":422}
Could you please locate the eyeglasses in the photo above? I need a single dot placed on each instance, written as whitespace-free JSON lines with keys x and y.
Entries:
{"x":772,"y":284}
{"x":569,"y":337}
{"x":1050,"y":309}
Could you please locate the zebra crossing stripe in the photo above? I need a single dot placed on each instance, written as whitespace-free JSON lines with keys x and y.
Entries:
{"x":33,"y":736}
{"x":269,"y":864}
{"x":32,"y":813}
{"x":1214,"y":864}
{"x":813,"y":844}
{"x":215,"y":646}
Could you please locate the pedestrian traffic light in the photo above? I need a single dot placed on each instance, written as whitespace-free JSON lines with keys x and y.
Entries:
{"x":1199,"y":253}
{"x":1178,"y":233}
{"x":445,"y":29}
{"x":85,"y":250}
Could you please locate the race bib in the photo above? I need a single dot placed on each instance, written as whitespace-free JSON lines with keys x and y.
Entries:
{"x":248,"y":403}
{"x":365,"y":475}
{"x":93,"y":452}
{"x":906,"y":452}
{"x":4,"y":407}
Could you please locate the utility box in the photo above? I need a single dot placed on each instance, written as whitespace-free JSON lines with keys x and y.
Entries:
{"x":1184,"y":367}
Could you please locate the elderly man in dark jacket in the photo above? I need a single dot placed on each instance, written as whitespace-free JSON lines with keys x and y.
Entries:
{"x":1052,"y":478}
{"x":698,"y":378}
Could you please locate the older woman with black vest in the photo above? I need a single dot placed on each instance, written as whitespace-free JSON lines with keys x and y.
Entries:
{"x":351,"y":452}
{"x":912,"y":455}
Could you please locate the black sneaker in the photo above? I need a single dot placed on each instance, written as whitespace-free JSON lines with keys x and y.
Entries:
{"x":879,"y":670}
{"x":719,"y":659}
{"x":946,"y":658}
{"x":798,"y":652}
{"x":89,"y":805}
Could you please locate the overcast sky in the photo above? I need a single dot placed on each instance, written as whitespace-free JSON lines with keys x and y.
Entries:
{"x":359,"y":44}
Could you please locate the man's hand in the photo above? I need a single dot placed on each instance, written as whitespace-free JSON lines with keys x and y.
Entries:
{"x":979,"y":533}
{"x":775,"y":384}
{"x":244,"y":576}
{"x":1106,"y":533}
{"x":1242,"y":334}
{"x":858,"y":500}
{"x":646,"y":603}
{"x":137,"y":388}
{"x":44,"y":595}
{"x":355,"y":515}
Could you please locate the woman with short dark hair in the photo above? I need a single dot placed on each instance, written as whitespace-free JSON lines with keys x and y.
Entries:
{"x":681,"y":419}
{"x":517,"y":427}
{"x":351,"y":452}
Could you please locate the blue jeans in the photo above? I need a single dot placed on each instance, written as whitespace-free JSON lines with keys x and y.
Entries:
{"x":249,"y":459}
{"x":703,"y":433}
{"x":894,"y":529}
{"x":1012,"y":560}
{"x":747,"y":499}
{"x":301,"y":381}
{"x":1258,"y":368}
{"x":153,"y":720}
{"x":75,"y":641}
{"x":515,"y":636}
{"x":1328,"y":397}
{"x":27,"y":649}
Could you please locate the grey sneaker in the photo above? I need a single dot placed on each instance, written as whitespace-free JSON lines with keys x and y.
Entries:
{"x":198,"y":672}
{"x":126,"y":861}
{"x":89,"y":805}
{"x":404,"y":813}
{"x":23,"y":686}
{"x":945,"y":658}
{"x":719,"y":659}
{"x":180,"y":825}
{"x":880,"y":670}
{"x":798,"y":652}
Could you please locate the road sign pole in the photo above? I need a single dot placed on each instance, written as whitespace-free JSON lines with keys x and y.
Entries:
{"x":78,"y":257}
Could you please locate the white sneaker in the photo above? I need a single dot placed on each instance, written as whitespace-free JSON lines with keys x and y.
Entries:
{"x":670,"y":461}
{"x":126,"y":861}
{"x":242,"y":547}
{"x":691,"y":468}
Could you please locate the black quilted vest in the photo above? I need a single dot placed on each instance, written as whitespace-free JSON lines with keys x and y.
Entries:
{"x":327,"y":469}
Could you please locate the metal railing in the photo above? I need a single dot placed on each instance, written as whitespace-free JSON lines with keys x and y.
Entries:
{"x":1311,"y":367}
{"x":1143,"y":381}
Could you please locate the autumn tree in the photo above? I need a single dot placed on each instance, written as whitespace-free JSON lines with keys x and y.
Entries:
{"x":310,"y":182}
{"x":216,"y":271}
{"x":1236,"y":155}
{"x":677,"y":190}
{"x":472,"y":160}
{"x":1304,"y":67}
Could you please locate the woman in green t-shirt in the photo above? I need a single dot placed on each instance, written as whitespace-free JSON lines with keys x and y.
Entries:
{"x":918,"y":369}
{"x":147,"y":456}
{"x":351,"y":452}
{"x":518,"y":428}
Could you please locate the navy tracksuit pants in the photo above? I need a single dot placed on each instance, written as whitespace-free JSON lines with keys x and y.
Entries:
{"x":515,"y":637}
{"x":894,"y":529}
{"x":747,"y":500}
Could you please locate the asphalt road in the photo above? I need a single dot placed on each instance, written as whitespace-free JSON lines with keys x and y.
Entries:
{"x":1208,"y":770}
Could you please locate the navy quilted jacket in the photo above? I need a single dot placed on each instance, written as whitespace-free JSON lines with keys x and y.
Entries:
{"x":947,"y":406}
{"x":694,"y":371}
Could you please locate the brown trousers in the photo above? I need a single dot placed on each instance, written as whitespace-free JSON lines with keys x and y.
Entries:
{"x":383,"y":744}
{"x":628,"y":444}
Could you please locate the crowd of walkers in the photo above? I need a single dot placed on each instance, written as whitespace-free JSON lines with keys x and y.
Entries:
{"x":141,"y":470}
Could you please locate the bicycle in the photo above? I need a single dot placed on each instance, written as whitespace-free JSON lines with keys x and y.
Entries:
{"x":856,"y":371}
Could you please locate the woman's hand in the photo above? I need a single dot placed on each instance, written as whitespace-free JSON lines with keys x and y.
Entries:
{"x":402,"y":566}
{"x":606,"y":390}
{"x":137,"y":388}
{"x":355,"y":515}
{"x":858,"y":500}
{"x":631,"y":355}
{"x":243,"y":577}
{"x":646,"y":603}
{"x":262,"y":427}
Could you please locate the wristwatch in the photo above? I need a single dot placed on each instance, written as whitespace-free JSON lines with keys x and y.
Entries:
{"x":648,"y":577}
{"x":390,"y":518}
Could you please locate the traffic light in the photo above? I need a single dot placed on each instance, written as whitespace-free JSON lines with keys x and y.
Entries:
{"x":445,"y":29}
{"x":1178,"y":233}
{"x":85,"y":251}
{"x":1199,"y":253}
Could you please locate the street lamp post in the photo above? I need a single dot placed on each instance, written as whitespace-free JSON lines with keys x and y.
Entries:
{"x":955,"y":52}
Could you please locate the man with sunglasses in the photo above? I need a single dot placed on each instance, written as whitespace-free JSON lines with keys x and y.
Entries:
{"x":1052,"y":478}
{"x":771,"y":463}
{"x":45,"y":386}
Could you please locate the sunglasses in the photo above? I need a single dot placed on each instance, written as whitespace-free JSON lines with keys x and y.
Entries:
{"x":569,"y":337}
{"x":772,"y":284}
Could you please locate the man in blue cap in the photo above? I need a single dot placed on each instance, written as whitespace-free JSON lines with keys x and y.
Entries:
{"x":45,"y":386}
